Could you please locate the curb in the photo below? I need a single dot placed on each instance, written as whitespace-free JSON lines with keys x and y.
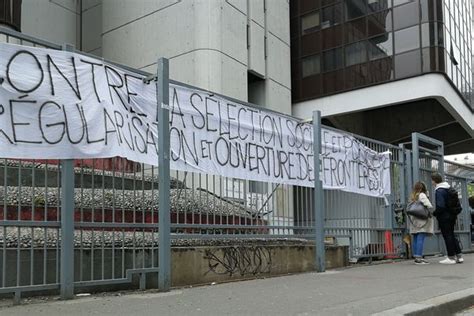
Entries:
{"x":441,"y":305}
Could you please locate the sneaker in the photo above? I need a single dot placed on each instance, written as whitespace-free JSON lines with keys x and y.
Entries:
{"x":420,"y":261}
{"x":448,"y":261}
{"x":459,"y":260}
{"x":425,"y":261}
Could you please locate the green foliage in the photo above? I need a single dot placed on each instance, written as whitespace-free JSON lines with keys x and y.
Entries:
{"x":470,"y":190}
{"x":39,"y":200}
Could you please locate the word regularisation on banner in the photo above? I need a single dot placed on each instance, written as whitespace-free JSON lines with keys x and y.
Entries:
{"x":56,"y":104}
{"x":62,"y":105}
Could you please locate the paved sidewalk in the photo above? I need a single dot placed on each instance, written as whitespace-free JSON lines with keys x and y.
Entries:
{"x":360,"y":290}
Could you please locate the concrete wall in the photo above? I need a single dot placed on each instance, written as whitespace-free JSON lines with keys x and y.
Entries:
{"x":210,"y":44}
{"x":203,"y":265}
{"x":206,"y":42}
{"x":56,"y":21}
{"x":190,"y":265}
{"x":91,"y":27}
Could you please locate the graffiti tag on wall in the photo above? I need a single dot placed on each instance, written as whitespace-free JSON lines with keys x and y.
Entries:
{"x":239,"y":260}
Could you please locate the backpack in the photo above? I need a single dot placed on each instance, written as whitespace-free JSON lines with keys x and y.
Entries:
{"x":453,"y":204}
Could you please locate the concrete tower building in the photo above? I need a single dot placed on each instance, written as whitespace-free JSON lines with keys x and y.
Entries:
{"x":236,"y":47}
{"x":239,"y":48}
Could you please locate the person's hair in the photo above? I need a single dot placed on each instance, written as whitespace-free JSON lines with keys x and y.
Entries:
{"x":418,"y":188}
{"x":437,"y":178}
{"x":471,"y":201}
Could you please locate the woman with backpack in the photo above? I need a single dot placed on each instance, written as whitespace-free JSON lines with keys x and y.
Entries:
{"x":420,"y":227}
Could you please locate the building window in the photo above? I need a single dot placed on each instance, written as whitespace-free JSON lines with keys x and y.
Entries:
{"x":331,"y":16}
{"x":310,"y":22}
{"x":310,"y":44}
{"x":311,"y":65}
{"x":333,"y":59}
{"x":355,"y":8}
{"x":378,"y":5}
{"x":407,"y":39}
{"x":356,"y":30}
{"x":380,"y":46}
{"x":356,"y":53}
{"x":405,"y":15}
{"x":408,"y":64}
{"x":379,"y":23}
{"x":432,"y":34}
{"x":431,"y":10}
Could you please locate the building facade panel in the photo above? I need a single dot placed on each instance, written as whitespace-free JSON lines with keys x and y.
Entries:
{"x":278,"y":96}
{"x":53,"y":21}
{"x":136,"y":45}
{"x":88,"y":4}
{"x":91,"y":30}
{"x":278,"y":19}
{"x":231,"y":36}
{"x":257,"y":12}
{"x":278,"y":58}
{"x":120,"y":12}
{"x":240,"y":5}
{"x":256,"y":49}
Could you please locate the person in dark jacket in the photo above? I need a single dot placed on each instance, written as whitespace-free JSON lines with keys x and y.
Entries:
{"x":471,"y":205}
{"x":446,"y":221}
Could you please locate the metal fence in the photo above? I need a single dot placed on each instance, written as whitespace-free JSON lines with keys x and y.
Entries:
{"x":431,"y":160}
{"x":369,"y":222}
{"x":461,"y":177}
{"x":115,"y":233}
{"x":114,"y":212}
{"x":115,"y":217}
{"x":29,"y":216}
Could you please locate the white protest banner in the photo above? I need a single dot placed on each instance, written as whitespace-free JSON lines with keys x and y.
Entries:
{"x":214,"y":135}
{"x":349,"y":165}
{"x":61,"y":105}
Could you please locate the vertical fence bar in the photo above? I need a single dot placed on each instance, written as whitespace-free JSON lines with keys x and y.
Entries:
{"x":466,"y":214}
{"x":67,"y":223}
{"x":415,"y":158}
{"x":409,"y":175}
{"x":318,"y":195}
{"x":67,"y":229}
{"x":440,"y":149}
{"x":164,"y":250}
{"x":402,"y":173}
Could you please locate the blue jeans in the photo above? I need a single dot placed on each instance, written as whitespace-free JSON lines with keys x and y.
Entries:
{"x":418,"y":240}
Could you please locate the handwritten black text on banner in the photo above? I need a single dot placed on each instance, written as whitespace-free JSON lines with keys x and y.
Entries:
{"x":56,"y":104}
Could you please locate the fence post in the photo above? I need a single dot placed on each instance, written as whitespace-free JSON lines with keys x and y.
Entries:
{"x":402,"y":159}
{"x":67,"y":223}
{"x":466,"y":213}
{"x":164,"y":250}
{"x":415,"y":158}
{"x":318,"y":196}
{"x":409,"y":177}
